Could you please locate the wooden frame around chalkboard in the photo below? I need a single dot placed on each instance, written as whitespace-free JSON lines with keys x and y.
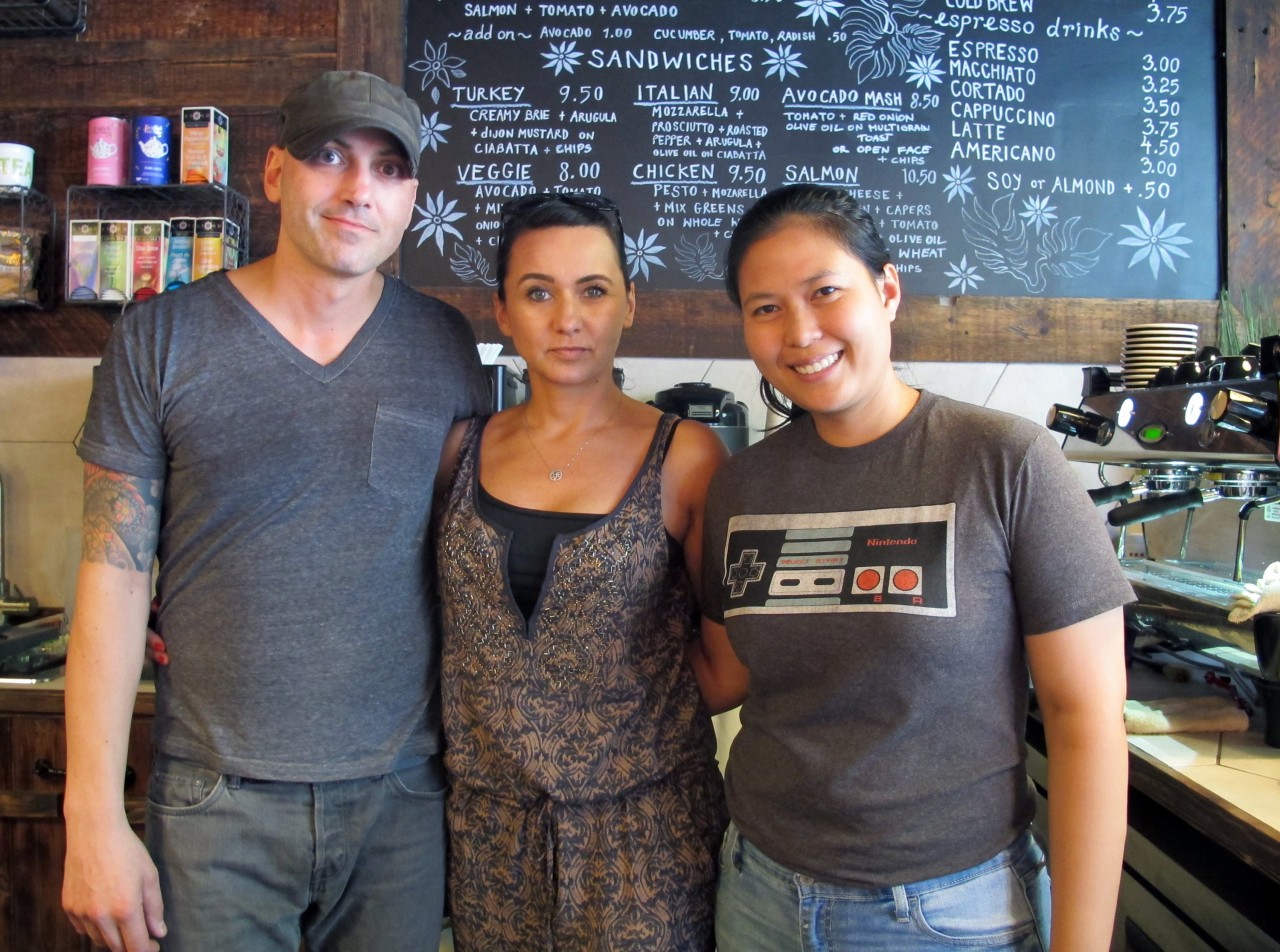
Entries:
{"x":100,"y":73}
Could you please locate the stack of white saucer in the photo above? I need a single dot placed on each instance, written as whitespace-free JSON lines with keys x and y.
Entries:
{"x":1148,"y":347}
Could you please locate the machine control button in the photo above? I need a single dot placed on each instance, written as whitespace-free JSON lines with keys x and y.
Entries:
{"x":1152,"y":433}
{"x":1083,"y":424}
{"x":1243,"y":413}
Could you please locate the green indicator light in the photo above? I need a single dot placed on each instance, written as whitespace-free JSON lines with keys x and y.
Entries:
{"x":1152,"y":433}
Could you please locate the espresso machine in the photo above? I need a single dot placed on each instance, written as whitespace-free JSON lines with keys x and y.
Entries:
{"x":716,"y":408}
{"x":1189,"y":469}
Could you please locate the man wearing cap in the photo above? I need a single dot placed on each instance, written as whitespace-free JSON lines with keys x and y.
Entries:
{"x":271,"y":435}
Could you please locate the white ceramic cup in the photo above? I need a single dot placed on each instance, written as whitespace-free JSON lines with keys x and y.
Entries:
{"x":17,"y":162}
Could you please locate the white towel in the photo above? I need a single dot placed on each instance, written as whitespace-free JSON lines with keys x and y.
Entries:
{"x":1257,"y":597}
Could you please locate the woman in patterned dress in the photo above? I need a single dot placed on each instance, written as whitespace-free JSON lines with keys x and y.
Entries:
{"x":587,"y":807}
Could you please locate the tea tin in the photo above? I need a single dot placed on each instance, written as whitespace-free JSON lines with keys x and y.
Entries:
{"x":108,"y":154}
{"x":150,"y":150}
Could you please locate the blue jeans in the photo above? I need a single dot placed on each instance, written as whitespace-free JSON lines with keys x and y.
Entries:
{"x":260,"y":866}
{"x":1002,"y":904}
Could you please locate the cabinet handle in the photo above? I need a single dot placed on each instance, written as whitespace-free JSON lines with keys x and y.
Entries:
{"x":45,"y":770}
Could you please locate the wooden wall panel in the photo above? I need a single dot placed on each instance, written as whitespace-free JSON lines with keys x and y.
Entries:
{"x":244,"y":56}
{"x":220,"y":20}
{"x":155,"y":56}
{"x":1252,"y":43}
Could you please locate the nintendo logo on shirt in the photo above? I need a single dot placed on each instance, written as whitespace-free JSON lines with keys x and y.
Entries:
{"x":898,"y":560}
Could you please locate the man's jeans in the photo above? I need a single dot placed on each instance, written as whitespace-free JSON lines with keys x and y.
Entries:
{"x":353,"y":865}
{"x":1001,"y":904}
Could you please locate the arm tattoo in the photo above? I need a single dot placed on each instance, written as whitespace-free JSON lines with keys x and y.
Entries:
{"x":121,"y":518}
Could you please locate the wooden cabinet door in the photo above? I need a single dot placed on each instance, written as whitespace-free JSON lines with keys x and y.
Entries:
{"x":32,"y":837}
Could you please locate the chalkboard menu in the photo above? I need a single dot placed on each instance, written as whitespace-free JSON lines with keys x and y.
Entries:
{"x":1066,"y":148}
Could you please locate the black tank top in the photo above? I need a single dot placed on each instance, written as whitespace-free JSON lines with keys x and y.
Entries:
{"x":533,"y":533}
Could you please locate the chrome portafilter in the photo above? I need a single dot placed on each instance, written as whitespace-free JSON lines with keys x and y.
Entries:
{"x":1244,"y":483}
{"x":1170,"y":479}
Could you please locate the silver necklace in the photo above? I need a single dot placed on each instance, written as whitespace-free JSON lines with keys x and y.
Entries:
{"x":554,"y":473}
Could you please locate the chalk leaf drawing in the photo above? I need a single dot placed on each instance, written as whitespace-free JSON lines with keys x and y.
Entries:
{"x":698,"y":258}
{"x":1002,"y":244}
{"x":471,"y":266}
{"x":886,"y":36}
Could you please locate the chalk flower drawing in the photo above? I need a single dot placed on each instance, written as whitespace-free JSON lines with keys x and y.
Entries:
{"x":782,"y":61}
{"x":958,"y":183}
{"x":471,"y":265}
{"x":1037,"y":211}
{"x":642,"y":252}
{"x":437,"y":66}
{"x":1155,"y":243}
{"x":818,"y":9}
{"x":436,"y":218}
{"x":924,"y":71}
{"x":564,"y":57}
{"x":963,"y":275}
{"x":883,"y":38}
{"x":432,"y":132}
{"x":1002,"y":245}
{"x":698,"y":258}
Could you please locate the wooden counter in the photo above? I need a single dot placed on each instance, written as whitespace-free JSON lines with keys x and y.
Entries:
{"x":32,"y":838}
{"x":46,"y":698}
{"x":1227,"y":786}
{"x":1203,"y":848}
{"x":1202,"y":858}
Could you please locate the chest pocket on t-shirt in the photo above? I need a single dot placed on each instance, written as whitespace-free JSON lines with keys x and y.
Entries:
{"x":405,"y":452}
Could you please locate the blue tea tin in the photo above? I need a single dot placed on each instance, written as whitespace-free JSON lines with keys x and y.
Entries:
{"x":150,"y":163}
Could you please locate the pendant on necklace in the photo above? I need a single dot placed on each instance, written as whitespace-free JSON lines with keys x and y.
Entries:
{"x":555,"y":475}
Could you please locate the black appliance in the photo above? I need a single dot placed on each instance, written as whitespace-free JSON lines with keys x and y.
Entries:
{"x":506,"y":386}
{"x":710,"y":405}
{"x":1190,"y":466}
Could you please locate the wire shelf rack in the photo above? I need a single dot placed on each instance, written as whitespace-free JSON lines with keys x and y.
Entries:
{"x":42,"y":18}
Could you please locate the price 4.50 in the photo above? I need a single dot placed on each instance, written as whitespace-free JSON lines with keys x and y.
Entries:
{"x":1160,"y":147}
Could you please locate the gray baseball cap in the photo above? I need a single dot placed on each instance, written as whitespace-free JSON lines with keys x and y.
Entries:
{"x":339,"y":101}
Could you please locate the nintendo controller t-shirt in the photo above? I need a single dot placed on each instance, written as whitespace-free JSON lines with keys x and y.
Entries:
{"x":887,"y":560}
{"x":880,"y":596}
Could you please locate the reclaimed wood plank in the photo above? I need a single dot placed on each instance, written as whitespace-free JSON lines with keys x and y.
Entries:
{"x":1252,"y":193}
{"x":1032,"y":330}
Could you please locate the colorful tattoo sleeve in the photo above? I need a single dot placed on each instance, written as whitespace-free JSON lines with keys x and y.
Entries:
{"x":121,"y":518}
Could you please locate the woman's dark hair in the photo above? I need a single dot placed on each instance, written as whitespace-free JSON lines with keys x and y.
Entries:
{"x":831,"y":209}
{"x":556,"y":210}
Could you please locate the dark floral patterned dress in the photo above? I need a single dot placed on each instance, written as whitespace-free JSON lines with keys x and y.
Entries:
{"x":587,"y":808}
